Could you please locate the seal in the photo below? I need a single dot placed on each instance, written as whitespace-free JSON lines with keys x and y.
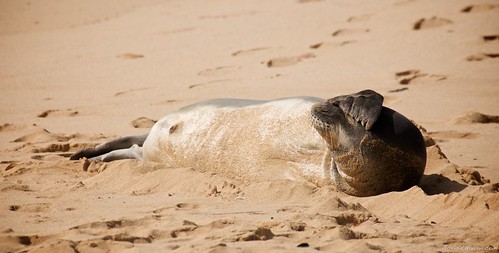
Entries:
{"x":363,"y":147}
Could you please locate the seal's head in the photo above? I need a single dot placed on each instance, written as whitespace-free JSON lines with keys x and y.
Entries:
{"x":389,"y":156}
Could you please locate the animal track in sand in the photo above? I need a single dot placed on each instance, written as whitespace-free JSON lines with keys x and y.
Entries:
{"x":334,"y":211}
{"x":288,"y":61}
{"x":342,"y":32}
{"x":124,"y":237}
{"x":32,"y":240}
{"x":45,"y":148}
{"x":451,"y":134}
{"x":249,"y":51}
{"x":331,"y":44}
{"x":432,"y":22}
{"x":490,"y":38}
{"x":143,"y":122}
{"x":415,"y":75}
{"x":56,"y":112}
{"x":398,"y":90}
{"x":17,"y":187}
{"x":358,"y":18}
{"x":10,"y":127}
{"x":224,"y":189}
{"x":129,"y":56}
{"x":179,"y":30}
{"x":43,"y":135}
{"x":475,"y":117}
{"x":479,"y":8}
{"x":309,"y":1}
{"x":259,"y":234}
{"x":187,"y":206}
{"x":218,"y":71}
{"x":131,"y":91}
{"x":472,"y":177}
{"x":229,"y":15}
{"x":209,"y":82}
{"x":481,"y":57}
{"x":34,"y":207}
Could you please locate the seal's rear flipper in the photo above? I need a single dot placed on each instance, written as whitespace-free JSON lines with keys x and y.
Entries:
{"x":104,"y":148}
{"x":134,"y":152}
{"x":364,"y":107}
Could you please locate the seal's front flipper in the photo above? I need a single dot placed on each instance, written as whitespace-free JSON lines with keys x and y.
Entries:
{"x":364,"y":107}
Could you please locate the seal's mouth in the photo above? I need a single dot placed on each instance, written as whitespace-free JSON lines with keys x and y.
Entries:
{"x":319,"y":123}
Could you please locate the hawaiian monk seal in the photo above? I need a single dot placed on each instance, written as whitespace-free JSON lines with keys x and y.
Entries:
{"x":365,"y":148}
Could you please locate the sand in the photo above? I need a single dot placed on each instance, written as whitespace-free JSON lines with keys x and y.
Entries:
{"x":76,"y":73}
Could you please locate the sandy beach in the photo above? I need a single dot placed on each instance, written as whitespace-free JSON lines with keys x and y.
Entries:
{"x":74,"y":74}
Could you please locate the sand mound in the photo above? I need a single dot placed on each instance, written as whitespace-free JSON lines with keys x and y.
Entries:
{"x":475,"y":117}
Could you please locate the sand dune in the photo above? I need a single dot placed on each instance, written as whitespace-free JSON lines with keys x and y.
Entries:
{"x":73,"y":75}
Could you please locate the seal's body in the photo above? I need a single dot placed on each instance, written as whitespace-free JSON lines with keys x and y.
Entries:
{"x":365,"y":148}
{"x":240,"y":137}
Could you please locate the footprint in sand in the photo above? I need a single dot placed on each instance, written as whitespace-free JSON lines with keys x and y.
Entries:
{"x":143,"y":122}
{"x":481,"y":57}
{"x":429,"y":23}
{"x":209,"y":83}
{"x":479,"y":8}
{"x":415,"y":75}
{"x":102,"y":225}
{"x":451,"y":134}
{"x":309,"y":1}
{"x":358,"y":18}
{"x":131,"y":91}
{"x":218,"y":71}
{"x":331,"y":44}
{"x":288,"y":61}
{"x":475,"y":117}
{"x":490,"y":38}
{"x":10,"y":127}
{"x":46,"y":148}
{"x":35,"y":207}
{"x":179,"y":30}
{"x":342,"y":32}
{"x":68,"y":112}
{"x":43,"y":135}
{"x":129,"y":56}
{"x":187,"y":206}
{"x":472,"y":177}
{"x":35,"y":241}
{"x":249,"y":51}
{"x":260,"y":234}
{"x":398,"y":90}
{"x":51,"y":157}
{"x":229,"y":15}
{"x":166,"y":102}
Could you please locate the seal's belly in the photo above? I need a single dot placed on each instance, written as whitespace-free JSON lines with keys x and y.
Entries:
{"x":239,"y":137}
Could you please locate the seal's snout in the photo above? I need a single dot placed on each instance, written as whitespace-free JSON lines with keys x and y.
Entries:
{"x":327,"y":112}
{"x":326,"y":118}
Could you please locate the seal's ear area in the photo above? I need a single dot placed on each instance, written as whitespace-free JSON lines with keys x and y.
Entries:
{"x":364,"y":107}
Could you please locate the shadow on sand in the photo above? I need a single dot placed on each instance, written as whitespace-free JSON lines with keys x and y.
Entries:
{"x":437,"y":184}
